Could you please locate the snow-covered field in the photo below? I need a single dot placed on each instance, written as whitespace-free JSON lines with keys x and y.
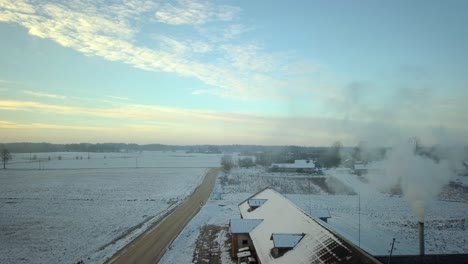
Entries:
{"x":382,"y":216}
{"x":86,"y":209}
{"x":76,"y":160}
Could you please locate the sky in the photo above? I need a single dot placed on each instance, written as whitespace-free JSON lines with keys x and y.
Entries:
{"x":274,"y":72}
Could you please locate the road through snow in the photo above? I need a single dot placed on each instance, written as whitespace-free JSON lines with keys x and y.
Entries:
{"x":150,"y":246}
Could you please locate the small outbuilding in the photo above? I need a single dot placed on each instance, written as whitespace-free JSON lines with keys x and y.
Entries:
{"x":297,"y":166}
{"x":239,"y":230}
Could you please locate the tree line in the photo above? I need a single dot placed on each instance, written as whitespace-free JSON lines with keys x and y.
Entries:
{"x":27,"y":147}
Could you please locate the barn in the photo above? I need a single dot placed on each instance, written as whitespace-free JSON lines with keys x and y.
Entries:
{"x":272,"y":229}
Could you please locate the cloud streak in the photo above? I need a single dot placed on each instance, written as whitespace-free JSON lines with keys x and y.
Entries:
{"x":109,"y":32}
{"x":194,"y":12}
{"x":41,"y":94}
{"x":267,"y":129}
{"x":15,"y":125}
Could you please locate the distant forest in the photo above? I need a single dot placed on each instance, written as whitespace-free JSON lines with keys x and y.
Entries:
{"x":265,"y":155}
{"x":26,"y":147}
{"x":331,"y":156}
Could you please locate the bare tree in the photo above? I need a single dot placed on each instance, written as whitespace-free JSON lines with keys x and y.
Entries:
{"x":246,"y":162}
{"x":227,"y":162}
{"x":6,"y":156}
{"x":331,"y":157}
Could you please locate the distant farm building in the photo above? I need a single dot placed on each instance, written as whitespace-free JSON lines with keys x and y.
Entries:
{"x":274,"y":230}
{"x":360,"y":168}
{"x":297,"y":166}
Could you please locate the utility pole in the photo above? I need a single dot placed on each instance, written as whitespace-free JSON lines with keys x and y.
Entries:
{"x":310,"y":198}
{"x":359,"y":218}
{"x":391,"y":251}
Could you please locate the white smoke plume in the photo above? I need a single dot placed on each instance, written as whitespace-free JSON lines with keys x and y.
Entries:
{"x":386,"y":120}
{"x":420,"y":178}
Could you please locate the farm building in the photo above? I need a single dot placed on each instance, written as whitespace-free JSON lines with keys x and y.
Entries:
{"x":360,"y":168}
{"x":240,"y":229}
{"x":297,"y":166}
{"x":274,"y":230}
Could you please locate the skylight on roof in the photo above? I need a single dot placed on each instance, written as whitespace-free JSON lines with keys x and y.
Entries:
{"x":255,"y":203}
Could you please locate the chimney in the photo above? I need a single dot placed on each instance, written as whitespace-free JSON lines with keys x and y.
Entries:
{"x":421,"y":241}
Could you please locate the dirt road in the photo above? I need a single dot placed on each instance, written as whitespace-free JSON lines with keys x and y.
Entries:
{"x":151,"y":245}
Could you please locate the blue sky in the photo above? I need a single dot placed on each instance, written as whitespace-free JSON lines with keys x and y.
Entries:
{"x":233,"y":72}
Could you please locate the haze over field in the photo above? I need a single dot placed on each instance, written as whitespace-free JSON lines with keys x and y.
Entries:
{"x":246,"y":72}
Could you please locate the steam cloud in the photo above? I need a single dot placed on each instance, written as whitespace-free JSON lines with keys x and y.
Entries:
{"x":421,"y":179}
{"x":388,"y":124}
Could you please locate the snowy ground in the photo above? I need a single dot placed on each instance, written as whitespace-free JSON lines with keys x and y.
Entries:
{"x":77,"y":160}
{"x":382,"y":217}
{"x":215,"y":212}
{"x":75,"y":209}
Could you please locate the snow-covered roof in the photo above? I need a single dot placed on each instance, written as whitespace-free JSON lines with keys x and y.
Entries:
{"x":298,"y":164}
{"x":243,"y":226}
{"x":360,"y":167}
{"x":256,"y":202}
{"x":286,"y":240}
{"x":246,"y":157}
{"x":281,"y":216}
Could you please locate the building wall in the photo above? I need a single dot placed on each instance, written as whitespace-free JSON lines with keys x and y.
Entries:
{"x":237,"y":242}
{"x":234,"y":245}
{"x":243,"y":237}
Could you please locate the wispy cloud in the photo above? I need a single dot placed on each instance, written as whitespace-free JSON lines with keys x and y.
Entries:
{"x":234,"y":31}
{"x":5,"y":84}
{"x":118,"y":97}
{"x":15,"y":125}
{"x":249,"y":58}
{"x":13,"y":5}
{"x":227,"y":34}
{"x":200,"y":91}
{"x":119,"y":111}
{"x":41,"y":94}
{"x":194,"y":12}
{"x":109,"y":31}
{"x":267,"y":129}
{"x":188,"y":125}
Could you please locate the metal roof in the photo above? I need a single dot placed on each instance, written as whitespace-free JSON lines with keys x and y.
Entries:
{"x":318,"y":244}
{"x":298,"y":164}
{"x":286,"y":240}
{"x":360,"y":167}
{"x":243,"y":226}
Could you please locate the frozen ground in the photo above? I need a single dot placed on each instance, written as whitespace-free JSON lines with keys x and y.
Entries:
{"x":88,"y":209}
{"x":215,"y":212}
{"x":77,"y":160}
{"x":382,"y":216}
